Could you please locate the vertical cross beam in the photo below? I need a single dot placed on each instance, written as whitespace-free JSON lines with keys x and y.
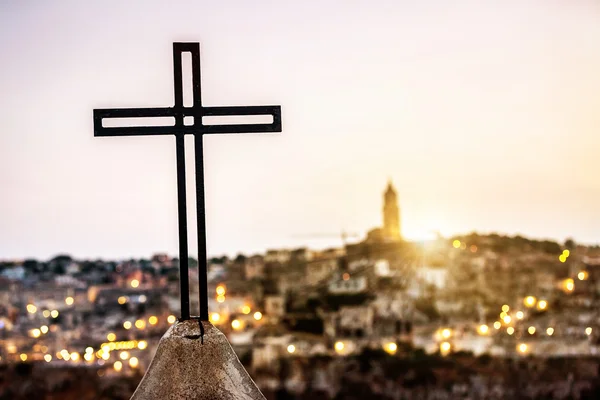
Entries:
{"x":184,"y":278}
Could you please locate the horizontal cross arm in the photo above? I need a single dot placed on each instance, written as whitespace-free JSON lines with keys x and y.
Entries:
{"x":170,"y":116}
{"x":234,"y":111}
{"x":132,"y":113}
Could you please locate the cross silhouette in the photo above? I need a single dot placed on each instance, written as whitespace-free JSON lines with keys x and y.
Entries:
{"x":179,"y":116}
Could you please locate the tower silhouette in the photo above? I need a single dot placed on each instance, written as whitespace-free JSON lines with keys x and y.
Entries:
{"x":391,"y":213}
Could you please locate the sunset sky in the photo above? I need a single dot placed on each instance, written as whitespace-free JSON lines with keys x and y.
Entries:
{"x":485,"y":114}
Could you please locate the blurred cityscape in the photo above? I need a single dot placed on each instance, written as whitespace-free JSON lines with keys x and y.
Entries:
{"x":468,"y":317}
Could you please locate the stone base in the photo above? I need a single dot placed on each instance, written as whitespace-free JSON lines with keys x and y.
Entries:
{"x":184,"y":368}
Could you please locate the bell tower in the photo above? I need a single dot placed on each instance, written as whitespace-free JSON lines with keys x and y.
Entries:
{"x":391,"y":213}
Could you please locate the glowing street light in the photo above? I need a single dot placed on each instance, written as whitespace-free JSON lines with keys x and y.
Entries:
{"x":54,"y":314}
{"x":542,"y":305}
{"x":36,"y":333}
{"x":582,"y":275}
{"x":550,"y":331}
{"x":118,"y":366}
{"x":127,"y":325}
{"x":215,"y":317}
{"x":258,"y":315}
{"x":153,"y":320}
{"x":69,"y":301}
{"x":133,"y":362}
{"x":497,"y":325}
{"x":220,"y":290}
{"x":171,"y":319}
{"x":456,"y":244}
{"x":142,"y":344}
{"x":445,"y":348}
{"x":220,"y":298}
{"x":122,"y":300}
{"x":531,"y":330}
{"x":483,"y":329}
{"x":339,"y":347}
{"x":391,"y":348}
{"x":446,"y":333}
{"x":111,"y":337}
{"x":47,"y":357}
{"x":520,"y":315}
{"x":529,"y":301}
{"x":507,"y":319}
{"x":568,"y":285}
{"x":44,"y":329}
{"x":588,"y":331}
{"x":522,"y":348}
{"x":124,"y":355}
{"x":510,"y":330}
{"x":505,"y":308}
{"x":291,"y":349}
{"x":246,"y":309}
{"x":135,"y":283}
{"x":236,"y":324}
{"x":31,"y":308}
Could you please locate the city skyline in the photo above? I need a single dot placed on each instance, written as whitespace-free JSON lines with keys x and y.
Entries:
{"x":483,"y":114}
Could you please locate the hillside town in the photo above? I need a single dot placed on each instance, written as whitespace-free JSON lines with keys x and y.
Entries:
{"x":473,"y":316}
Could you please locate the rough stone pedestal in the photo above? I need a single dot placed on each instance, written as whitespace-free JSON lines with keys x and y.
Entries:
{"x":183,"y":368}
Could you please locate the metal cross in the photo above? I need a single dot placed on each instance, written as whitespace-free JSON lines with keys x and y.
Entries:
{"x":198,"y":128}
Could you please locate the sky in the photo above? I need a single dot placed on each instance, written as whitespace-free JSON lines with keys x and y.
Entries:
{"x":483,"y":113}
